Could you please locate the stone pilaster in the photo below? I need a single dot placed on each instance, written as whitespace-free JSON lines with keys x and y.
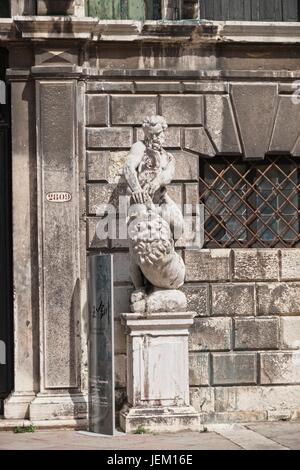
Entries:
{"x":59,"y":257}
{"x":25,"y":272}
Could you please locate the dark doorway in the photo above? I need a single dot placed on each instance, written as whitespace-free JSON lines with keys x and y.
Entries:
{"x":6,"y":310}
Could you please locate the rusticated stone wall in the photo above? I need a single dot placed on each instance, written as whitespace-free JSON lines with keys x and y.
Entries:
{"x":244,"y":363}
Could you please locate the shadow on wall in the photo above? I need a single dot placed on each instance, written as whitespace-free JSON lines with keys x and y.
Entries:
{"x":59,"y":7}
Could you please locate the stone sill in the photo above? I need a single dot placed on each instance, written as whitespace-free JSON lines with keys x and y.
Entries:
{"x":191,"y":31}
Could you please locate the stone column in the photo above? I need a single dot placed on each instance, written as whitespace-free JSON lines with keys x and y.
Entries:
{"x":60,"y":394}
{"x":158,"y":373}
{"x":25,"y":272}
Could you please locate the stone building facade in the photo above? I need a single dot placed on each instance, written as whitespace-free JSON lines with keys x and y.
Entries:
{"x":79,"y":88}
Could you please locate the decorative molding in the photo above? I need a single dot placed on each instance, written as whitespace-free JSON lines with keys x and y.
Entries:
{"x":60,"y":27}
{"x":191,"y":31}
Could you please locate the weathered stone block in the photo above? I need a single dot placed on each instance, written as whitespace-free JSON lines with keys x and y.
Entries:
{"x":109,"y":137}
{"x":132,"y":109}
{"x":93,"y":241}
{"x":278,"y":299}
{"x":280,"y":368}
{"x":175,"y":192}
{"x":257,"y":398}
{"x":256,"y":265}
{"x":172,"y":137}
{"x":260,"y":102}
{"x":262,"y":333}
{"x":199,"y":369}
{"x":109,"y":87}
{"x":210,"y":334}
{"x":120,"y":370}
{"x":220,"y":124}
{"x":182,"y":109}
{"x":208,"y":265}
{"x":234,"y":368}
{"x":158,"y":87}
{"x":121,"y":268}
{"x":290,"y":332}
{"x":97,"y":165}
{"x":101,"y":194}
{"x":186,"y":166}
{"x":198,"y":141}
{"x":122,"y":298}
{"x":202,"y":399}
{"x":206,"y":87}
{"x":290,"y":264}
{"x":286,"y":131}
{"x":197,"y":299}
{"x":96,"y":110}
{"x":233,"y":299}
{"x":106,"y":165}
{"x":191,"y":194}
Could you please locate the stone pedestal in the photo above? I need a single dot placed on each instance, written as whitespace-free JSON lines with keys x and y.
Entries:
{"x":158,"y":373}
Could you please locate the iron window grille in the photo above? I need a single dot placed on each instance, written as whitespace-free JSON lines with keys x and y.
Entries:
{"x":251,"y":204}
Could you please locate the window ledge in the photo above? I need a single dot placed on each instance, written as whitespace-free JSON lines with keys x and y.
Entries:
{"x":192,"y":31}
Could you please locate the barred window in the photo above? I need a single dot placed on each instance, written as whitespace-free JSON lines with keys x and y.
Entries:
{"x":251,"y":204}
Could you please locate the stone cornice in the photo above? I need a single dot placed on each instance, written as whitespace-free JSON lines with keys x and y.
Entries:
{"x":192,"y":32}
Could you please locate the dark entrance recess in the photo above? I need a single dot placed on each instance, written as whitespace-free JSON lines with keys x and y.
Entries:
{"x":6,"y":316}
{"x":4,"y":9}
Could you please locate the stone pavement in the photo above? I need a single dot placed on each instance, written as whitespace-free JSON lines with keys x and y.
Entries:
{"x":258,"y":436}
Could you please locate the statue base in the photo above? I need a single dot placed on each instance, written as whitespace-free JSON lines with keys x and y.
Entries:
{"x":160,"y":419}
{"x":158,"y":373}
